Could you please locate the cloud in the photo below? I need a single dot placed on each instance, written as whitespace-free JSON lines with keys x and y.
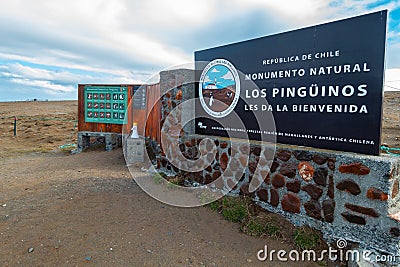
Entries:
{"x":393,"y":55}
{"x":392,"y":79}
{"x":214,"y":70}
{"x":207,"y":79}
{"x":90,"y":34}
{"x":296,"y":11}
{"x":35,"y":73}
{"x":228,"y":76}
{"x":352,"y":7}
{"x":52,"y":84}
{"x":44,"y":84}
{"x":97,"y":41}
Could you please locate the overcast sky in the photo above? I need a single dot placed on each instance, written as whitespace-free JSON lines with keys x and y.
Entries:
{"x":47,"y":47}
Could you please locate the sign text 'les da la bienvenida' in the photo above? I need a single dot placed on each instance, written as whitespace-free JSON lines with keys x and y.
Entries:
{"x":323,"y":84}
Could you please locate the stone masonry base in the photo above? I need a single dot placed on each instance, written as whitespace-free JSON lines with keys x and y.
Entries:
{"x":111,"y":140}
{"x":345,"y":195}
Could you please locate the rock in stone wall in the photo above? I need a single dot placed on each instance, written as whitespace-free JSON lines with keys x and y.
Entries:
{"x":176,"y":87}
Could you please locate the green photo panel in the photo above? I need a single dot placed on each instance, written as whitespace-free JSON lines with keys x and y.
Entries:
{"x":106,"y":104}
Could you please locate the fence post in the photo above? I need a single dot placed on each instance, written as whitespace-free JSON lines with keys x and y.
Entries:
{"x":15,"y":125}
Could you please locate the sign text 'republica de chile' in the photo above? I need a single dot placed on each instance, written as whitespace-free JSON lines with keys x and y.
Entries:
{"x":323,"y":85}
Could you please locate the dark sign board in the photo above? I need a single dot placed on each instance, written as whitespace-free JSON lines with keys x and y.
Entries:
{"x":323,"y":85}
{"x":139,"y":97}
{"x":105,"y":104}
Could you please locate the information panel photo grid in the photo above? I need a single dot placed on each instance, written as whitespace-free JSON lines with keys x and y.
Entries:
{"x":105,"y":104}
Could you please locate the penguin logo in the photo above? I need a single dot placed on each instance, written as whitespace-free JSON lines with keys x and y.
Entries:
{"x":219,"y":88}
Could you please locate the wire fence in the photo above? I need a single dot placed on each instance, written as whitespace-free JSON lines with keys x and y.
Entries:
{"x":65,"y":146}
{"x":39,"y":119}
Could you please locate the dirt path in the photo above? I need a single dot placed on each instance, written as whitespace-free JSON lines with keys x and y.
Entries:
{"x":85,"y":210}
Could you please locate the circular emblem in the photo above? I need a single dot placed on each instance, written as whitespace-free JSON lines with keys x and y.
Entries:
{"x":219,"y":88}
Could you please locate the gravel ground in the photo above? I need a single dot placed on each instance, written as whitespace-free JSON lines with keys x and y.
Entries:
{"x":58,"y":209}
